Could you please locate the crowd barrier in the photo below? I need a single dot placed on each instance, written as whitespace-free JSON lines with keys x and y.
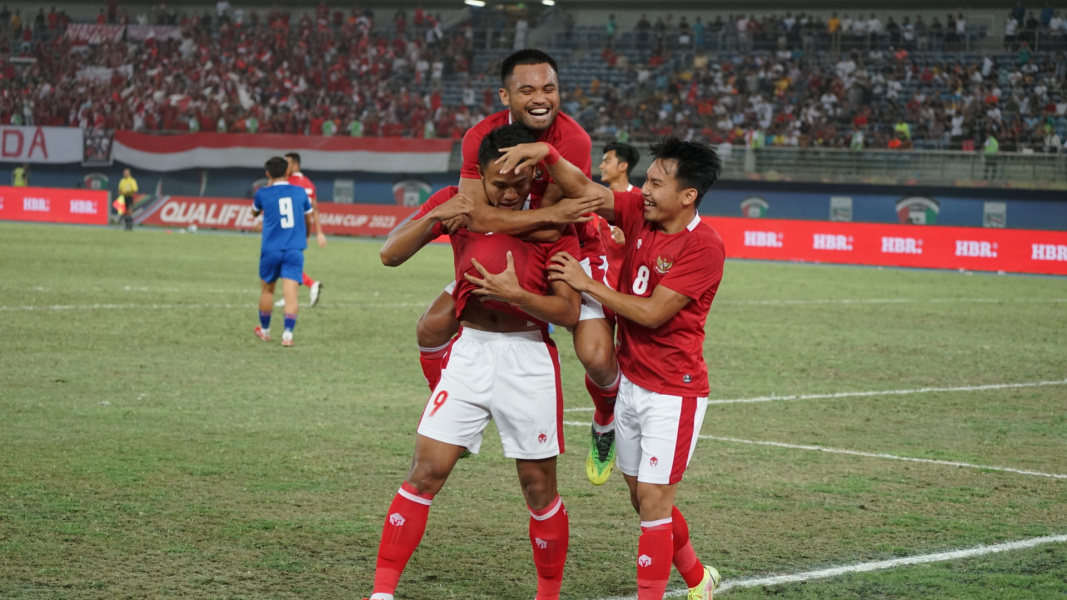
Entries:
{"x":924,"y":246}
{"x":54,"y":205}
{"x":233,"y":213}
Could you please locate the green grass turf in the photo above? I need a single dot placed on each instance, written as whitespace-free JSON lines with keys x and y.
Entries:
{"x":151,"y":447}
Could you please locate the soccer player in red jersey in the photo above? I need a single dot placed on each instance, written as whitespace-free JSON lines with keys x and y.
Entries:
{"x":672,"y":270}
{"x":615,"y":167}
{"x":502,"y":365}
{"x":297,"y":178}
{"x":530,"y":90}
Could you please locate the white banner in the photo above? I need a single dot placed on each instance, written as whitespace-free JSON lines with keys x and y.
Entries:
{"x":40,"y":144}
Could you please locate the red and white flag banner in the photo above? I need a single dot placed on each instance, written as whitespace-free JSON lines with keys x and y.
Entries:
{"x":318,"y":153}
{"x":94,"y":33}
{"x":233,"y":213}
{"x":925,"y":246}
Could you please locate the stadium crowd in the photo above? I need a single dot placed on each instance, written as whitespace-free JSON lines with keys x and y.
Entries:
{"x":331,"y":73}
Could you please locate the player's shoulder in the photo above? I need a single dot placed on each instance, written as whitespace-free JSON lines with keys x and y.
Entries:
{"x":564,"y":128}
{"x":705,"y":236}
{"x":443,"y":195}
{"x":488,"y":124}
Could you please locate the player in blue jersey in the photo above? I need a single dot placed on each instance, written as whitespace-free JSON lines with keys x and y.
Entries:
{"x":287,"y":217}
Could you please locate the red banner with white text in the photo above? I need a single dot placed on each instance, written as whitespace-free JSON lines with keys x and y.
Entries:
{"x":232,"y":213}
{"x":924,"y":246}
{"x":53,"y":205}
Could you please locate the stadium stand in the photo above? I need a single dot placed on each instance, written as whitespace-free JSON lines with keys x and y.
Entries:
{"x":775,"y":80}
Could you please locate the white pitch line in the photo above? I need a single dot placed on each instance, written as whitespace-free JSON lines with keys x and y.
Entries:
{"x":931,"y":461}
{"x":406,"y":304}
{"x":875,"y":566}
{"x":885,"y":301}
{"x":881,"y":455}
{"x":249,"y":305}
{"x":965,"y":388}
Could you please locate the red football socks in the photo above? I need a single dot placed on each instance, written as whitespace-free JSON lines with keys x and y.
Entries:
{"x":404,"y":525}
{"x":432,"y":361}
{"x":307,"y":280}
{"x":654,"y":551}
{"x":685,"y":558}
{"x":549,"y":535}
{"x":604,"y":401}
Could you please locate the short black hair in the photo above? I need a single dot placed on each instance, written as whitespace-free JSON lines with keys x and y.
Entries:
{"x":276,"y":167}
{"x":505,"y":136}
{"x":529,"y":56}
{"x":624,"y":153}
{"x":698,"y":163}
{"x":294,"y":156}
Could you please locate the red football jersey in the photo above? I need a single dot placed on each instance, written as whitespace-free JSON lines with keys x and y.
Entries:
{"x":572,"y":142}
{"x":614,"y":252}
{"x":668,"y":359}
{"x":531,"y":259}
{"x":299,"y":180}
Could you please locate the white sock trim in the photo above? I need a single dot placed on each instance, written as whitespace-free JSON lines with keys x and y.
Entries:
{"x":618,"y":378}
{"x":556,"y":505}
{"x":381,"y":597}
{"x":666,"y":521}
{"x":425,"y":350}
{"x":413,"y":497}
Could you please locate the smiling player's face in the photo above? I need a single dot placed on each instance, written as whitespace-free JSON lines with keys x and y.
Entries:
{"x":507,"y":190}
{"x":532,"y":94}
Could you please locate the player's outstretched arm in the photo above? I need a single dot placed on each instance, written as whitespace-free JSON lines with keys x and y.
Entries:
{"x":409,"y":238}
{"x":650,"y":312}
{"x":562,"y":308}
{"x":570,"y":179}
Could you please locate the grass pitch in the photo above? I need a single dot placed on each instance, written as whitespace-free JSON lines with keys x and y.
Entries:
{"x":151,"y":447}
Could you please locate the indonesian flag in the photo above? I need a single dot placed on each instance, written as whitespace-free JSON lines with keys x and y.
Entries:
{"x":320,"y":153}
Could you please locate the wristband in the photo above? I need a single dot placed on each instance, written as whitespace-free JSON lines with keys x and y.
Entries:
{"x":553,"y":155}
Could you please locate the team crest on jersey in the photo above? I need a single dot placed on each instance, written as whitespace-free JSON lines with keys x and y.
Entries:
{"x":639,"y":240}
{"x":539,"y":174}
{"x":664,"y":262}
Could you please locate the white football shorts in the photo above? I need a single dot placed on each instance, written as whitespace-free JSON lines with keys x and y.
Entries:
{"x":655,"y":434}
{"x":591,"y":308}
{"x":512,"y":378}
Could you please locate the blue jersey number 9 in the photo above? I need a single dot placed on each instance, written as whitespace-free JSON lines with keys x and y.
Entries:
{"x":285,"y":207}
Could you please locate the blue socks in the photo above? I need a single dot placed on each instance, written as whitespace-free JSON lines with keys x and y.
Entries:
{"x":264,"y":319}
{"x":290,"y":321}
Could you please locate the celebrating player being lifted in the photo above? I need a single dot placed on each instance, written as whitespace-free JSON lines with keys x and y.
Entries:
{"x":530,"y":90}
{"x":502,"y":365}
{"x":668,"y":280}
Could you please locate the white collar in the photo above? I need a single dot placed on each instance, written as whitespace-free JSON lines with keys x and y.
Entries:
{"x":280,"y":183}
{"x":693,"y":224}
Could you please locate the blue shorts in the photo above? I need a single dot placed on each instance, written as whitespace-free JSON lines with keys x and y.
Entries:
{"x":288,"y":264}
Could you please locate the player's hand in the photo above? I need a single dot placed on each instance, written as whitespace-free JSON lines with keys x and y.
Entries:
{"x":575,"y":210}
{"x":458,"y":205}
{"x":501,"y":286}
{"x":456,"y":223}
{"x":321,"y":238}
{"x":564,"y":267}
{"x":519,"y":157}
{"x":618,"y":236}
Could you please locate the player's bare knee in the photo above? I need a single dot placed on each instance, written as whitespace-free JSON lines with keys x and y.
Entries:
{"x":427,"y":476}
{"x":599,"y":361}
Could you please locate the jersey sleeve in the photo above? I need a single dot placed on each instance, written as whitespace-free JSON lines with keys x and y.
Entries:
{"x":257,"y":202}
{"x":306,"y":202}
{"x":472,"y":140}
{"x":696,"y":271}
{"x":578,"y":150}
{"x":568,"y":242}
{"x":629,"y":212}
